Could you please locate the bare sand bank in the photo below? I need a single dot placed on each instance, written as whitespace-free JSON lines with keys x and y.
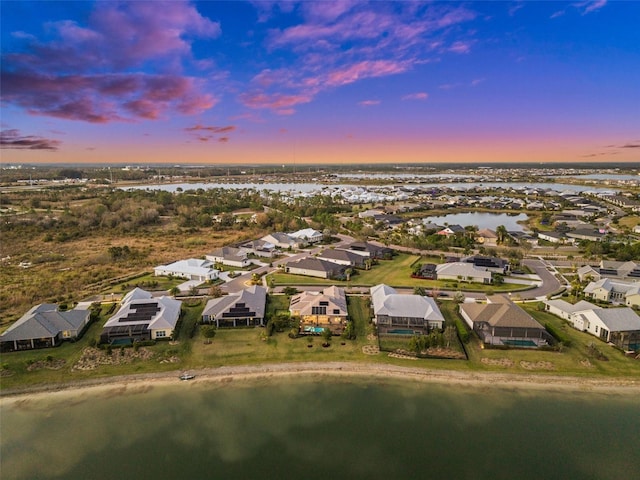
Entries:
{"x":140,"y":383}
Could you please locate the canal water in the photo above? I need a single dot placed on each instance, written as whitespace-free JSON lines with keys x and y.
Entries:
{"x":312,"y":429}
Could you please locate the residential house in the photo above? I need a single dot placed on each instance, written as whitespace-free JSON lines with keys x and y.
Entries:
{"x":320,"y":310}
{"x":191,"y":269}
{"x":487,"y":237}
{"x":259,"y":248}
{"x":608,"y":290}
{"x":463,"y":271}
{"x":343,"y":257}
{"x":142,"y":316}
{"x":493,"y":264}
{"x":370,"y":250}
{"x":553,"y":237}
{"x":625,"y":271}
{"x":308,"y":235}
{"x":245,"y":308}
{"x":632,"y":297}
{"x":229,"y":256}
{"x":502,"y":322}
{"x":586,"y":234}
{"x":427,"y":271}
{"x":44,"y":326}
{"x":620,"y":326}
{"x":396,"y":313}
{"x":284,"y":241}
{"x":314,"y":267}
{"x":566,"y":310}
{"x":451,"y":230}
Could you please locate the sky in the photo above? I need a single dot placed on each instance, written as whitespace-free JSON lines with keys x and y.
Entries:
{"x":319,"y":82}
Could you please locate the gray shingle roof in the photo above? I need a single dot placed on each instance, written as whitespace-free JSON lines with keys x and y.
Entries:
{"x":45,"y":321}
{"x":253,"y":297}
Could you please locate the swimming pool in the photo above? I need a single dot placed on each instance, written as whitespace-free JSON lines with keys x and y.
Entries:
{"x":520,"y":343}
{"x":314,"y":329}
{"x":120,"y":342}
{"x":401,"y":331}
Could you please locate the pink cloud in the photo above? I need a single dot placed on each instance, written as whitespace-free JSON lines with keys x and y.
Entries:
{"x":104,"y":98}
{"x":13,"y":139}
{"x":366,"y":69}
{"x":275,"y":101}
{"x":369,"y":103}
{"x":460,"y":47}
{"x":589,"y":6}
{"x":340,"y":43}
{"x":416,"y":96}
{"x":92,"y":73}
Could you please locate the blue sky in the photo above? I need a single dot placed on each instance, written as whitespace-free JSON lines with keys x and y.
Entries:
{"x":320,"y":82}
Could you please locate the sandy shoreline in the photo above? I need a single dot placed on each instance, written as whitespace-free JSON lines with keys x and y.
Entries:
{"x":334,"y":369}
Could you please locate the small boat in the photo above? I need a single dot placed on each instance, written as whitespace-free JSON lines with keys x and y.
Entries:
{"x":187,"y":376}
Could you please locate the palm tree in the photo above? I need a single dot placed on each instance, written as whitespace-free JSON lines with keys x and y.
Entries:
{"x":502,"y":233}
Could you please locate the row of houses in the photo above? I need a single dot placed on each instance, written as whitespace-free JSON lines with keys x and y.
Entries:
{"x":333,"y":263}
{"x":141,"y":316}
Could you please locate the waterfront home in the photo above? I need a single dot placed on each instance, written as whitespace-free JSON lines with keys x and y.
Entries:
{"x":394,"y":312}
{"x":343,"y":257}
{"x":463,"y":271}
{"x":320,"y":310}
{"x":565,"y":310}
{"x":620,"y":326}
{"x":44,"y":326}
{"x":245,"y":308}
{"x":502,"y":322}
{"x":314,"y":267}
{"x":142,"y":316}
{"x":229,"y":256}
{"x":191,"y":269}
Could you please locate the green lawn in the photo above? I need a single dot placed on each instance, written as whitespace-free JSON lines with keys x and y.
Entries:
{"x":396,"y":273}
{"x":248,"y":346}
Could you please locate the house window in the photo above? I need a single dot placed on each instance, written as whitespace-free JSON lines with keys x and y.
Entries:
{"x":596,"y":328}
{"x":336,"y":311}
{"x":161,"y":333}
{"x":318,"y":310}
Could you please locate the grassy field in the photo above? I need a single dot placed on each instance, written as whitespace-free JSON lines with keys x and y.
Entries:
{"x":249,"y":346}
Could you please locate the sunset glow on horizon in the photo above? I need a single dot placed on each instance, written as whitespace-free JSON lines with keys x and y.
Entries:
{"x":316,"y":82}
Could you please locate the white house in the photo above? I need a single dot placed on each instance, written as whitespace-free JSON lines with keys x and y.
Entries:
{"x":308,"y":235}
{"x":142,"y":317}
{"x":244,"y":308}
{"x":284,"y":241}
{"x":393,"y":311}
{"x":608,"y":290}
{"x":191,"y":269}
{"x":620,"y":326}
{"x":462,"y":271}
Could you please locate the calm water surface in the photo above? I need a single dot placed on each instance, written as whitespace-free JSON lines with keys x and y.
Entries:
{"x":307,"y":430}
{"x":482,"y":220}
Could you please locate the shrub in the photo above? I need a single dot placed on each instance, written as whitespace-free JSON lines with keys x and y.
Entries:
{"x":557,"y":334}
